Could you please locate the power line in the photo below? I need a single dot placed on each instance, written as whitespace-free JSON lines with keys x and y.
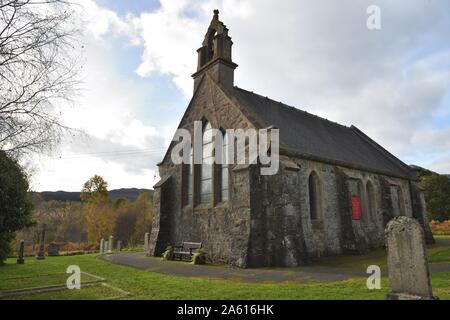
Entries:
{"x":111,"y":154}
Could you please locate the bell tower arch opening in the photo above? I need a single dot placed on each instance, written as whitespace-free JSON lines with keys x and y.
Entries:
{"x":214,"y":56}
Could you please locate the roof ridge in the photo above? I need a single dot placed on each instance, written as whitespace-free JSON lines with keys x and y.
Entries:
{"x":294,"y":108}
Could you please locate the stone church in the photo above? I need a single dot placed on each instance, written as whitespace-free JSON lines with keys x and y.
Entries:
{"x":334,"y":192}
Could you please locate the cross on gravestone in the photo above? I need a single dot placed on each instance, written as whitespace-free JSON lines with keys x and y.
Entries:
{"x":21,"y":260}
{"x":146,"y":238}
{"x":41,"y":253}
{"x":102,"y":244}
{"x":409,"y":275}
{"x":111,"y":244}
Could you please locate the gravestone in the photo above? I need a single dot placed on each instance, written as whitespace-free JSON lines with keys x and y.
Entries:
{"x":21,"y":260}
{"x":53,"y":249}
{"x":110,"y":243}
{"x":119,"y":245}
{"x":105,"y":249}
{"x":41,"y":252}
{"x":409,"y":275}
{"x":146,"y":241}
{"x":102,"y":244}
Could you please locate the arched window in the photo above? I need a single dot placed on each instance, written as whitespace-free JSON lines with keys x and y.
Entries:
{"x":397,"y":200}
{"x":371,"y":201}
{"x":187,"y":183}
{"x":206,"y":191}
{"x":314,"y":196}
{"x":190,"y":175}
{"x":212,"y":33}
{"x":224,"y":185}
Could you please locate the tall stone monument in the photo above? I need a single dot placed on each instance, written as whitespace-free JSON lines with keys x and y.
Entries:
{"x":409,"y":275}
{"x":105,"y":248}
{"x":119,"y":245}
{"x":146,"y":238}
{"x":21,"y":260}
{"x":41,"y":253}
{"x":110,"y":244}
{"x":102,"y":246}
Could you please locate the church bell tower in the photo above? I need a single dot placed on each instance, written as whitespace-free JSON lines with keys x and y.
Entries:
{"x":214,"y":57}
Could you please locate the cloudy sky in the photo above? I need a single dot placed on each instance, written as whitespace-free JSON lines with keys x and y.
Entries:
{"x":393,"y":83}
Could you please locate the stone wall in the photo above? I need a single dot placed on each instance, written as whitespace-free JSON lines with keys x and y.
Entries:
{"x":277,"y":235}
{"x":161,"y":226}
{"x":224,"y":228}
{"x":282,"y":232}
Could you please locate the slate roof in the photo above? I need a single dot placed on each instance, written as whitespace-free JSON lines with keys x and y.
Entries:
{"x":314,"y":136}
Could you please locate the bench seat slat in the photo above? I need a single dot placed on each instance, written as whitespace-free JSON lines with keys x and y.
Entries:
{"x":186,"y":249}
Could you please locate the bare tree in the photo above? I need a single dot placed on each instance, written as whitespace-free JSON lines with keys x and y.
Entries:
{"x":39,"y":63}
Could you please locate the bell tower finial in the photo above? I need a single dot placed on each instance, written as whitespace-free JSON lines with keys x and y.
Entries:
{"x":214,"y":56}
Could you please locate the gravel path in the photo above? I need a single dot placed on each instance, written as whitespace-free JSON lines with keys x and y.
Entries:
{"x":307,"y":273}
{"x":140,"y":261}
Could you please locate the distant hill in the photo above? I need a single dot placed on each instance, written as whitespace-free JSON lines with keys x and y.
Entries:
{"x":128,"y":193}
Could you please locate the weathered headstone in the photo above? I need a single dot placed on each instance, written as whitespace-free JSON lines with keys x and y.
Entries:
{"x":119,"y":245}
{"x":146,"y":238}
{"x":41,"y":252}
{"x":21,"y":260}
{"x":102,"y":246}
{"x":111,"y":244}
{"x":409,"y":275}
{"x":105,"y":249}
{"x":53,"y":249}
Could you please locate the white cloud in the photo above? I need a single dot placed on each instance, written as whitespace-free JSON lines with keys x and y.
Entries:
{"x":318,"y":56}
{"x":441,"y":165}
{"x":171,"y":36}
{"x":114,"y":142}
{"x":99,"y":21}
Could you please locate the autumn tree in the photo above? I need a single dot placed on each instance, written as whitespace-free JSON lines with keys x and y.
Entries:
{"x":64,"y":221}
{"x":99,"y":214}
{"x":39,"y":63}
{"x":134,"y":219}
{"x":144,"y":208}
{"x":95,"y":187}
{"x":126,"y":220}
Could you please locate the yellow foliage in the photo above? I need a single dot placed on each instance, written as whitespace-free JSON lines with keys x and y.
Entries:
{"x":100,"y":218}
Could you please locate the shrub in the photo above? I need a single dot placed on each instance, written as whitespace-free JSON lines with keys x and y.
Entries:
{"x":15,"y":202}
{"x":168,"y":254}
{"x":199,"y":257}
{"x":437,"y":195}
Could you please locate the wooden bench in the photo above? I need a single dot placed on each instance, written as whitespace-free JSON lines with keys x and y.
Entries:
{"x":186,"y":250}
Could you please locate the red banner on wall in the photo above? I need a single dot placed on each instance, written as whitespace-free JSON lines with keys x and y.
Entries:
{"x":356,"y":208}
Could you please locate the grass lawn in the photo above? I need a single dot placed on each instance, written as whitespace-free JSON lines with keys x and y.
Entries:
{"x":441,"y":236}
{"x":151,"y":285}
